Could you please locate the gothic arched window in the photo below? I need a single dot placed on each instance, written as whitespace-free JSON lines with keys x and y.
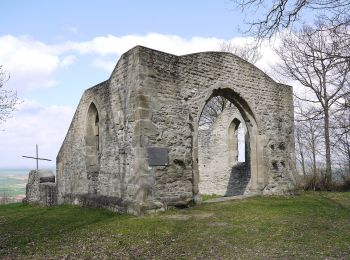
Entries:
{"x":92,"y":137}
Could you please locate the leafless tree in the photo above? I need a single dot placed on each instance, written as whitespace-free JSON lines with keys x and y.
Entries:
{"x":8,"y":98}
{"x":308,"y":136}
{"x":278,"y":15}
{"x":212,"y":110}
{"x":249,"y":52}
{"x":309,"y":56}
{"x":300,"y":147}
{"x":341,"y":133}
{"x":342,"y":148}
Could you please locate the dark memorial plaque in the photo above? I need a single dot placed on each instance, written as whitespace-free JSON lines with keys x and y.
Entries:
{"x":158,"y":156}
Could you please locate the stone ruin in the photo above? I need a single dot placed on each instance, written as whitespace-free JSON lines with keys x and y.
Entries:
{"x":41,"y":188}
{"x":134,"y":144}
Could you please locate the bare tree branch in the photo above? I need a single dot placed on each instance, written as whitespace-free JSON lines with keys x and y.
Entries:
{"x":312,"y":57}
{"x":281,"y":14}
{"x":249,"y":52}
{"x":8,"y":98}
{"x":212,"y":110}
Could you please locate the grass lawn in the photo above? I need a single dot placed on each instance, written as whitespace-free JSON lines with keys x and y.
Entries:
{"x":310,"y":226}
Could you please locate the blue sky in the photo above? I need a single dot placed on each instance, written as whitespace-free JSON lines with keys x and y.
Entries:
{"x":50,"y":21}
{"x":54,"y":50}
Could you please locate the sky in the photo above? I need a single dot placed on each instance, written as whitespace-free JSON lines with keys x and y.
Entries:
{"x":54,"y":50}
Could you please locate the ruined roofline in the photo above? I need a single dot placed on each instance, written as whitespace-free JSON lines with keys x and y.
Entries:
{"x":140,"y":48}
{"x":101,"y":84}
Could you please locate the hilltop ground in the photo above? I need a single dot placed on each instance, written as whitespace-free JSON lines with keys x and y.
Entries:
{"x":309,"y":225}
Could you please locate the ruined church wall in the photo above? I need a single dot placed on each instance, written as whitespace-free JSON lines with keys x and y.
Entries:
{"x":72,"y":175}
{"x":154,"y":100}
{"x":271,"y":103}
{"x":169,"y":128}
{"x":110,"y":184}
{"x":178,"y":88}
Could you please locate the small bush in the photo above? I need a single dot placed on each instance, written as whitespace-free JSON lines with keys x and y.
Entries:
{"x":343,"y":184}
{"x":4,"y":199}
{"x":318,"y":182}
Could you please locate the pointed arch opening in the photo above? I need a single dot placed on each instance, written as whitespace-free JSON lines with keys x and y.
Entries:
{"x":92,"y":137}
{"x":226,"y":154}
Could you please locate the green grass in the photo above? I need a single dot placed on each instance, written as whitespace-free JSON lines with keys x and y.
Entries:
{"x":308,"y":226}
{"x":211,"y":196}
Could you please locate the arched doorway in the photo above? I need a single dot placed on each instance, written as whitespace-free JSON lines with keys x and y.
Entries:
{"x":92,"y":137}
{"x":226,"y":156}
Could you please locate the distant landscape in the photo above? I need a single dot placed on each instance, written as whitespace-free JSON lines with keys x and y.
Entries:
{"x":13,"y":183}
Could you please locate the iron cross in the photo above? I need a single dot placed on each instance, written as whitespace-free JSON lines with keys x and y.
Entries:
{"x":36,"y":158}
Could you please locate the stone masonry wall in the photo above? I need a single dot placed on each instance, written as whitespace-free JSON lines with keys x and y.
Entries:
{"x":154,"y":100}
{"x":180,"y":87}
{"x":109,"y":185}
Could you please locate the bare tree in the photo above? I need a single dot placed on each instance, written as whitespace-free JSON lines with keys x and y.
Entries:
{"x":308,"y":136}
{"x":300,"y":147}
{"x":341,"y":133}
{"x":8,"y":98}
{"x":249,"y":52}
{"x":281,"y":14}
{"x":310,"y":57}
{"x":342,"y":148}
{"x":212,"y":110}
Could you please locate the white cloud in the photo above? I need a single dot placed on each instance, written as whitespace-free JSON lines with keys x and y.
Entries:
{"x":105,"y":45}
{"x":107,"y":65}
{"x":34,"y":124}
{"x":31,"y":63}
{"x":68,"y":60}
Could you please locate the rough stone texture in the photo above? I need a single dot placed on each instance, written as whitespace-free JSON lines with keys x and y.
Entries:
{"x":220,"y":171}
{"x":154,"y":99}
{"x":41,"y":188}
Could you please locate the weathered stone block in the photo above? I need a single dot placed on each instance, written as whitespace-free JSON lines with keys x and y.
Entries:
{"x":41,"y":188}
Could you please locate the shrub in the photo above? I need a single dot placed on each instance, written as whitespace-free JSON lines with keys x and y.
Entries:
{"x":318,"y":182}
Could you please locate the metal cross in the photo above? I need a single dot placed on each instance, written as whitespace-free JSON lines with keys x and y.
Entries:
{"x":36,"y":158}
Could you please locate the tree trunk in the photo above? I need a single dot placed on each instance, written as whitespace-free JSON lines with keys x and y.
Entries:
{"x":328,"y":147}
{"x":314,"y":166}
{"x":301,"y":150}
{"x":347,"y":147}
{"x":303,"y":163}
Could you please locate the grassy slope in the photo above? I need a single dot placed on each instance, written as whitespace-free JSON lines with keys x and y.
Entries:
{"x":310,"y":225}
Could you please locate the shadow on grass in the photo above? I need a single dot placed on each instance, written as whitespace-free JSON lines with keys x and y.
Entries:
{"x":24,"y":226}
{"x":335,"y":201}
{"x":310,"y":225}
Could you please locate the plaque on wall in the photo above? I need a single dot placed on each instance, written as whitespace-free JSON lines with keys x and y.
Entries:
{"x":158,"y":156}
